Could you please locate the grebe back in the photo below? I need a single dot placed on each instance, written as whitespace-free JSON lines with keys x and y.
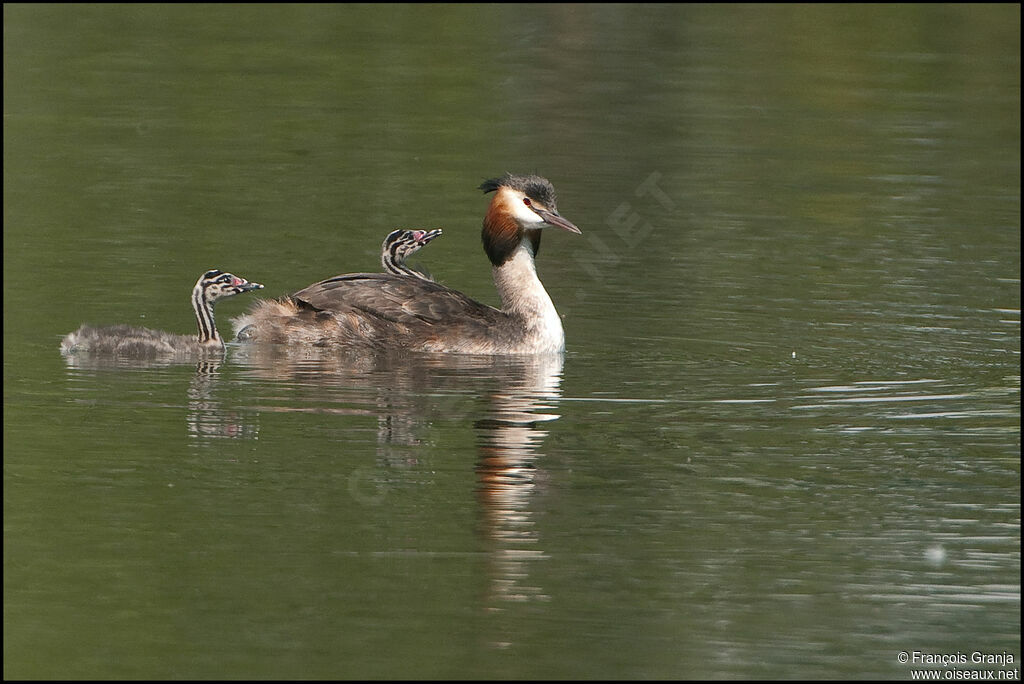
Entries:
{"x":386,"y":311}
{"x":126,"y":340}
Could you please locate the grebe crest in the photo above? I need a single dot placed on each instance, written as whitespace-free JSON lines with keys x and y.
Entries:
{"x":384,"y":311}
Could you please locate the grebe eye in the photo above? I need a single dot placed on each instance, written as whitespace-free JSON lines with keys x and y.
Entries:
{"x":526,"y":201}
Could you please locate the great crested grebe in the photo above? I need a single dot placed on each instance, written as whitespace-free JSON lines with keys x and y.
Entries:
{"x":126,"y":340}
{"x":385,"y":311}
{"x":399,"y":245}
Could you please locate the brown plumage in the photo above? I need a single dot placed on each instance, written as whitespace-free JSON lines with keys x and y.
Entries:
{"x":135,"y":342}
{"x":384,"y":311}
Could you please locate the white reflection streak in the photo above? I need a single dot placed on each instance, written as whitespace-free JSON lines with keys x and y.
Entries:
{"x":507,"y":476}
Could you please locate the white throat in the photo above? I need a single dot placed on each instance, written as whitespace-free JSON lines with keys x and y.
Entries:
{"x":524,"y":297}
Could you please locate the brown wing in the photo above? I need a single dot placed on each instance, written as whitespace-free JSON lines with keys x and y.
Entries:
{"x":411,"y":302}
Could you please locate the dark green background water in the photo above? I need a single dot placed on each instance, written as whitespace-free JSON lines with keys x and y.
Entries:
{"x":785,"y":438}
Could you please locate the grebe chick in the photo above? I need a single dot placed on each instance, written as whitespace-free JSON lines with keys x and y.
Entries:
{"x":388,"y":312}
{"x":399,"y":245}
{"x":126,"y":340}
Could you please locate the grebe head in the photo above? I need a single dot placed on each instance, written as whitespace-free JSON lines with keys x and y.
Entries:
{"x":215,"y":284}
{"x":521,"y":206}
{"x":401,"y":244}
{"x":125,"y":340}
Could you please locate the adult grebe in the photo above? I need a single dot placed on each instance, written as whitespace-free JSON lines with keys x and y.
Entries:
{"x":126,"y":340}
{"x":385,"y":311}
{"x":399,"y":245}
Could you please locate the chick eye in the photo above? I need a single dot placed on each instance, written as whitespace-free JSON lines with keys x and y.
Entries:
{"x":527,"y":202}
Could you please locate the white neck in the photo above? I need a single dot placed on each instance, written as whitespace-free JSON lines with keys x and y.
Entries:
{"x":524,"y":297}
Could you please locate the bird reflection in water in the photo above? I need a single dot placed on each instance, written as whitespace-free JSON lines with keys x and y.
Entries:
{"x":509,"y":439}
{"x":206,"y":417}
{"x":408,"y":394}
